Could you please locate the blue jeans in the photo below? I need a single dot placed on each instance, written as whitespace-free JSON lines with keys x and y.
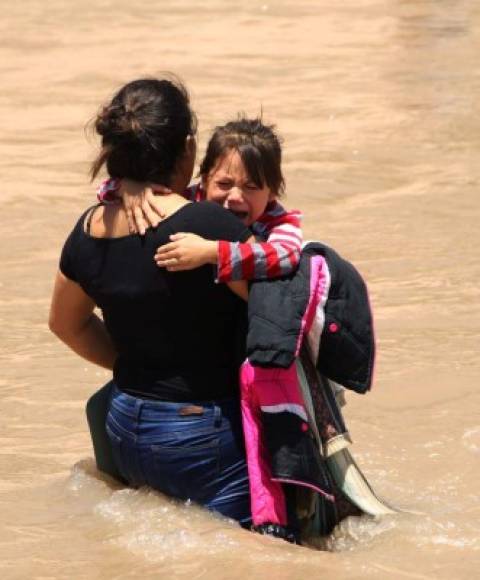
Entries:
{"x":191,"y":450}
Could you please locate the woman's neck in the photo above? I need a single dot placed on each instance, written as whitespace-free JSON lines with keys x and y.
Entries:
{"x":110,"y":221}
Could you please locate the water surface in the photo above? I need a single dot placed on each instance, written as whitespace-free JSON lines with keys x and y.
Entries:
{"x":377,"y":103}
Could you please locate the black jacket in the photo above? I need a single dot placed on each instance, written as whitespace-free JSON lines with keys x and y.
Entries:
{"x":276,"y":312}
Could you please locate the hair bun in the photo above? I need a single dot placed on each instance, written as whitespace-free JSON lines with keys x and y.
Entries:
{"x":143,"y":130}
{"x":131,"y":122}
{"x":106,"y":121}
{"x":117,"y":120}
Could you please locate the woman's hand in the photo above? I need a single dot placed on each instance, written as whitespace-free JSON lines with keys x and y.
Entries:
{"x":186,"y":252}
{"x":142,"y":206}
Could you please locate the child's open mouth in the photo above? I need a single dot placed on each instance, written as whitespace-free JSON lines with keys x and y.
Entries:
{"x":241,"y":215}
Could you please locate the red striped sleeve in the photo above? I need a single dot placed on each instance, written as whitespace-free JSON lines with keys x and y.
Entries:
{"x":272,"y":258}
{"x":293,"y":255}
{"x":248,"y":261}
{"x":291,"y":238}
{"x":224,"y":262}
{"x":277,"y":256}
{"x":292,"y":218}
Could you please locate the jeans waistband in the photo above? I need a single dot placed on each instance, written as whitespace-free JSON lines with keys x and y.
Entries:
{"x":167,"y":410}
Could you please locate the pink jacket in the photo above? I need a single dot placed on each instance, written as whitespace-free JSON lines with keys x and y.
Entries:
{"x":284,"y":437}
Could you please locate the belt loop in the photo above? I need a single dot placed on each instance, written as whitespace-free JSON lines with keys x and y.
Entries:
{"x":217,"y":416}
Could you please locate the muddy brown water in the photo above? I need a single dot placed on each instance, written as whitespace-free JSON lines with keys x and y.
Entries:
{"x":378,"y":105}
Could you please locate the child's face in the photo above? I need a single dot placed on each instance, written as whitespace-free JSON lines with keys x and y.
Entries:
{"x":229,"y":185}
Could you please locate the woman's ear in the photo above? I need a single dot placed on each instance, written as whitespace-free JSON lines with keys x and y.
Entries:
{"x":186,"y":162}
{"x":191,"y":146}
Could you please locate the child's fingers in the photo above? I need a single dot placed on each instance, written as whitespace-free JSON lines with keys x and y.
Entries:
{"x":139,"y":221}
{"x":178,"y":236}
{"x":166,"y":262}
{"x":154,"y":202}
{"x":156,"y":207}
{"x":170,"y":263}
{"x":149,"y":214}
{"x":165,"y":249}
{"x":131,"y":222}
{"x":167,"y":258}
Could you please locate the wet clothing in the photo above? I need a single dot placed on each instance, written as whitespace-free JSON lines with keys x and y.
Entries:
{"x":173,"y":416}
{"x":177,"y":334}
{"x":321,"y":312}
{"x":325,"y":302}
{"x":190,"y":451}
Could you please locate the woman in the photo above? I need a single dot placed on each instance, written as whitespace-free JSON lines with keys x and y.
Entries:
{"x":174,"y":419}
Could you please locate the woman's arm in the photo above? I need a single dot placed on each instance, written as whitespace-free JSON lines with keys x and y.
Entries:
{"x":72,"y":319}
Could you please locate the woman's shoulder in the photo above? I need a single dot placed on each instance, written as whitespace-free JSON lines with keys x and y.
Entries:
{"x":69,"y":253}
{"x":83,"y":222}
{"x":103,"y":222}
{"x":208,"y":219}
{"x":206,"y":209}
{"x":205,"y":206}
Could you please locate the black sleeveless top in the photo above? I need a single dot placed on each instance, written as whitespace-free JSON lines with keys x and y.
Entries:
{"x":180,"y":336}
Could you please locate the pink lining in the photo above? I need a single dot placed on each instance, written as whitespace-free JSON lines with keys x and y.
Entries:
{"x":267,"y":498}
{"x":317,"y":288}
{"x":274,"y":386}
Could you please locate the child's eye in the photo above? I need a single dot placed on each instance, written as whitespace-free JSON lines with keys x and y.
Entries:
{"x":224,"y":184}
{"x":252,"y":186}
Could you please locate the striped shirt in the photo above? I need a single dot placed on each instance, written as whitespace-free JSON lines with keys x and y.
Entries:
{"x":277,"y":254}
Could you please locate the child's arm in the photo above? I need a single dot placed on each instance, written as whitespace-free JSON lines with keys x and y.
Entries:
{"x":278,"y":256}
{"x":186,"y":251}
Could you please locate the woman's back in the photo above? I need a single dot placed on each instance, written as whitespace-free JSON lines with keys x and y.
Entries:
{"x":177,"y":334}
{"x":170,"y":338}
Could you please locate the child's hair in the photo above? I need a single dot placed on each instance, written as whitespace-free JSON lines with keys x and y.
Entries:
{"x":144,"y":129}
{"x":258,"y":146}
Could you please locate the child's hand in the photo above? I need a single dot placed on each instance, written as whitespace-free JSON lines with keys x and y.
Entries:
{"x":142,"y":207}
{"x":186,"y":252}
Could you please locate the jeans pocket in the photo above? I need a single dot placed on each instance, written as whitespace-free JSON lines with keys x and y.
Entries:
{"x":126,"y":458}
{"x":186,"y":469}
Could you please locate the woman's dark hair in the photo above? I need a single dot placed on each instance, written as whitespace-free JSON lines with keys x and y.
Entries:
{"x":143,"y":130}
{"x":258,"y":146}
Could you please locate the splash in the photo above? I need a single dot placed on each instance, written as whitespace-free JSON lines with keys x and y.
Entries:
{"x":471,"y":440}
